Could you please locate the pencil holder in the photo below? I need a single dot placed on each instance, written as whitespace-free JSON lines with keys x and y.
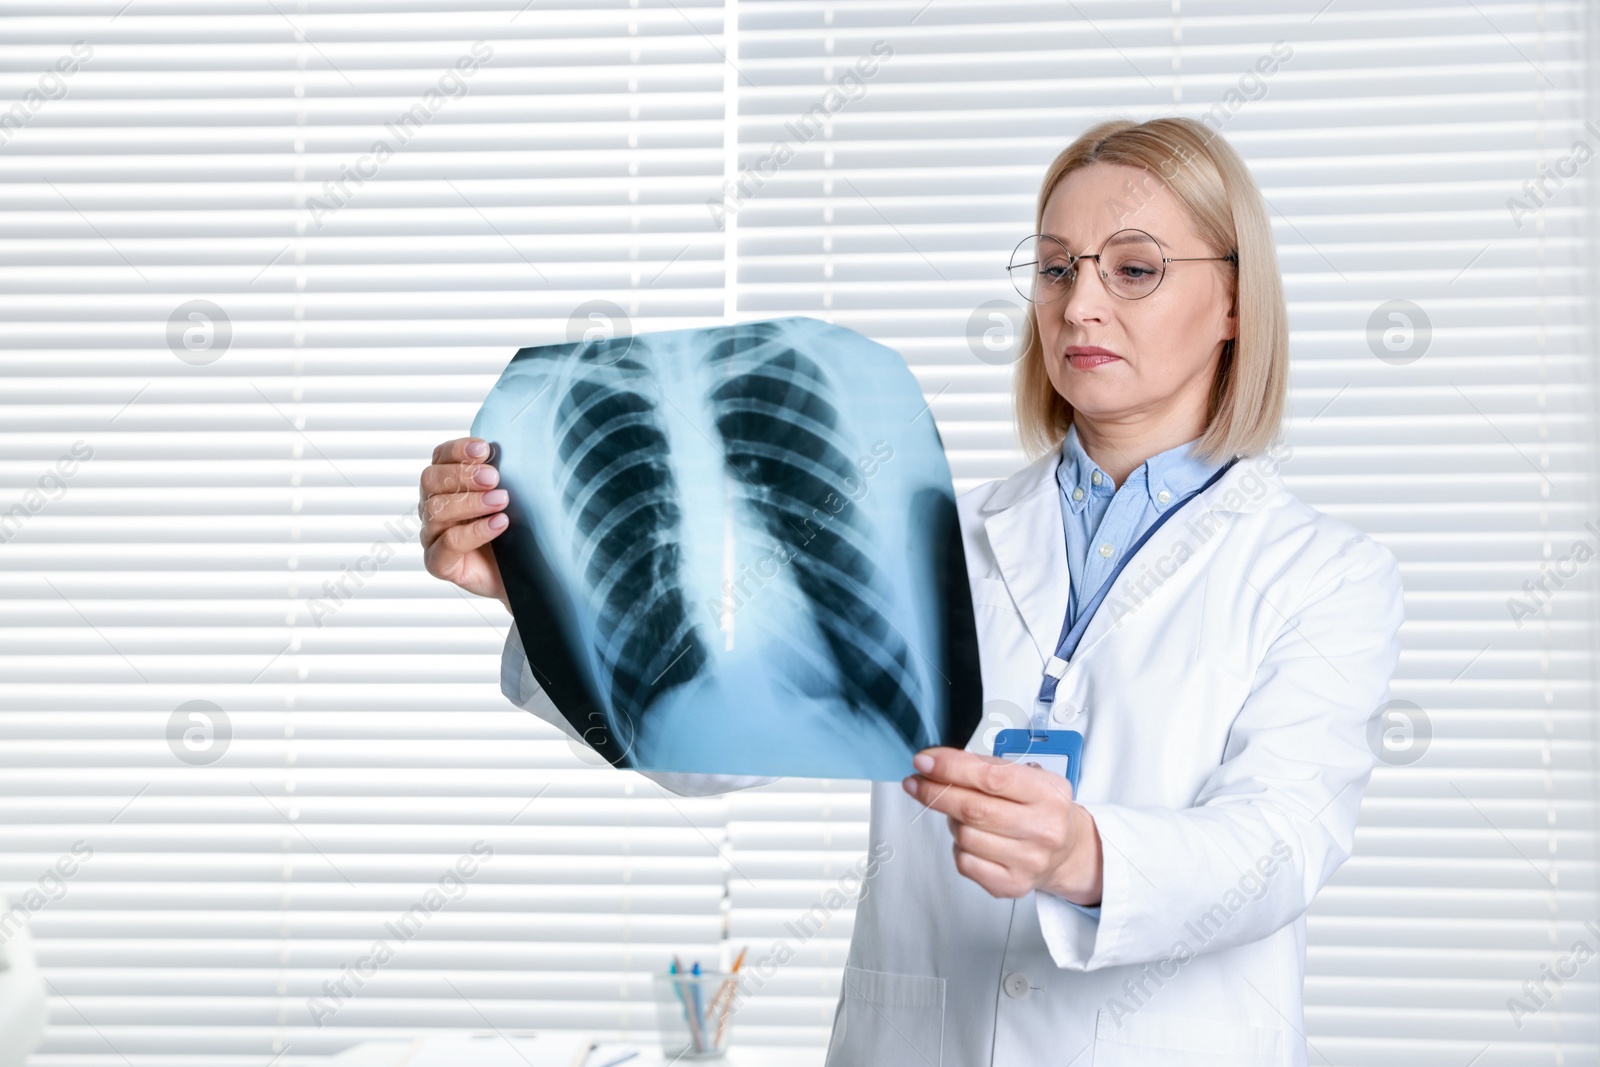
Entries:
{"x":696,"y":1013}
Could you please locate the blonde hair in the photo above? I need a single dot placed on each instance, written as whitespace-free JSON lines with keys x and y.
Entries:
{"x":1209,"y":179}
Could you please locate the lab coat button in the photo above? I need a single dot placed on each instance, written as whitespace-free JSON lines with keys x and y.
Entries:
{"x":1016,"y":985}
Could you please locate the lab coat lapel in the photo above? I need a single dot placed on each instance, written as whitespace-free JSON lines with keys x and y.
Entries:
{"x":1193,"y":533}
{"x":1023,"y":521}
{"x":1029,"y":545}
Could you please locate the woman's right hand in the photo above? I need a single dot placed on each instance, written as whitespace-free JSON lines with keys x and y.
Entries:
{"x":461,"y":512}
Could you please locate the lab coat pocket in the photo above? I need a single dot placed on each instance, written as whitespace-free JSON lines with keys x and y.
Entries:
{"x":1145,"y":1040}
{"x":887,"y":1018}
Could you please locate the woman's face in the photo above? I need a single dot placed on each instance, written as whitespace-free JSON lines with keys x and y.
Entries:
{"x":1167,"y":344}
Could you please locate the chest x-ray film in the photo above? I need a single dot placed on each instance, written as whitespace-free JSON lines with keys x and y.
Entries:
{"x":734,"y":550}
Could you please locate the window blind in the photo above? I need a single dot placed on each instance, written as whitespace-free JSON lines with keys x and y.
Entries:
{"x":258,"y":260}
{"x":234,"y":327}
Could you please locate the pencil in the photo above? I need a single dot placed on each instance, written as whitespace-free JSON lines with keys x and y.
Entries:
{"x":728,"y":986}
{"x":699,"y":997}
{"x":727,"y":983}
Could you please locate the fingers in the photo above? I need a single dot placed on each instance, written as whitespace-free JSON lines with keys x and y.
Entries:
{"x":458,"y":501}
{"x":462,"y":538}
{"x":989,"y":774}
{"x":446,"y":510}
{"x":462,"y":450}
{"x":1002,"y":865}
{"x":459,"y":466}
{"x":995,"y":879}
{"x":457,"y":478}
{"x":970,"y":806}
{"x":1010,"y":852}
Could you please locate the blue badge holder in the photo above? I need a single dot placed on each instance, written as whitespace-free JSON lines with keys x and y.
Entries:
{"x":1054,"y":750}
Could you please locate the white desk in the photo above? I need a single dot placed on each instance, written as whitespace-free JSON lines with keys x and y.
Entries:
{"x":390,"y":1053}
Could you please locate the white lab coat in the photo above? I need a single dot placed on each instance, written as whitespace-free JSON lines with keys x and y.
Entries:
{"x":1224,"y":690}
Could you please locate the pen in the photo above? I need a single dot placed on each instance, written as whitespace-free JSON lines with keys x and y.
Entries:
{"x":676,"y":969}
{"x":699,"y":1009}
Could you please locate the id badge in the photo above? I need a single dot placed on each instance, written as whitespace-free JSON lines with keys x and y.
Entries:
{"x":1060,"y":751}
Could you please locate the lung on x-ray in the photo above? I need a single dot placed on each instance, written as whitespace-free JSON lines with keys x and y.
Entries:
{"x":734,"y":550}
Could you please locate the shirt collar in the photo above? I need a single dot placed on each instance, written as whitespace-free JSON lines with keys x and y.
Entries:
{"x":1175,"y":473}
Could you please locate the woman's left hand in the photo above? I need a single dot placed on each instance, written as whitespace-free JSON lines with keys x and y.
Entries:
{"x":1016,"y":827}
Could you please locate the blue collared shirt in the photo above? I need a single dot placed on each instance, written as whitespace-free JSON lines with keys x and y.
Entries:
{"x":1102,"y":521}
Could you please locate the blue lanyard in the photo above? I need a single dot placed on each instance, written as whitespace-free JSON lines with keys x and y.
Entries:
{"x":1071,"y":635}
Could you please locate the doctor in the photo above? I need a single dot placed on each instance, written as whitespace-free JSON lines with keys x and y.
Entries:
{"x":1224,"y":686}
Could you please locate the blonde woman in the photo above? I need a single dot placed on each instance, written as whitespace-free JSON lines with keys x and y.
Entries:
{"x":1223,"y":679}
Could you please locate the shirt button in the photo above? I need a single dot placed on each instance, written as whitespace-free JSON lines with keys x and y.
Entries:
{"x":1016,"y":985}
{"x":1163,"y":496}
{"x":1077,"y":494}
{"x":1106,"y":550}
{"x":1095,"y":477}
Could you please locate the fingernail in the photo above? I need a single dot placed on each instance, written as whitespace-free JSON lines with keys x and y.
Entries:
{"x":486,"y":476}
{"x":498,"y":522}
{"x":922,"y":762}
{"x":495,"y":497}
{"x":909,"y":785}
{"x":478,"y":448}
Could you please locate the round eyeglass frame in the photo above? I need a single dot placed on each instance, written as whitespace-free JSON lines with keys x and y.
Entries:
{"x":1072,"y":264}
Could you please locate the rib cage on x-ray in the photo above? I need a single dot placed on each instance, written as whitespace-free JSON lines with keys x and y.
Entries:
{"x":617,"y":478}
{"x":735,"y":549}
{"x":778,"y":426}
{"x":779,"y":438}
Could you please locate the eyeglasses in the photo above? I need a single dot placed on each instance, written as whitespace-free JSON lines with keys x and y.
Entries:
{"x":1130,"y":263}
